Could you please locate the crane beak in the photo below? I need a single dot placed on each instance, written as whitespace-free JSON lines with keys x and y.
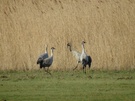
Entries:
{"x":68,"y":45}
{"x":84,"y":42}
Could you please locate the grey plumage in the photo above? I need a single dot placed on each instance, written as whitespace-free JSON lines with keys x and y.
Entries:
{"x":47,"y":62}
{"x":85,"y":59}
{"x":43,"y":56}
{"x":85,"y":63}
{"x":76,"y":54}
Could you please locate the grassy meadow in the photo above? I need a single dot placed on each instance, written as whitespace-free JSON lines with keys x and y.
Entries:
{"x":67,"y":86}
{"x":108,"y":27}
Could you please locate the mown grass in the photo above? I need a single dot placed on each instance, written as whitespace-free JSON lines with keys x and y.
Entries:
{"x":67,"y":86}
{"x":107,"y":26}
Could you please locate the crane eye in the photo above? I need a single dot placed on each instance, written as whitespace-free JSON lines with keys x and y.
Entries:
{"x":68,"y":44}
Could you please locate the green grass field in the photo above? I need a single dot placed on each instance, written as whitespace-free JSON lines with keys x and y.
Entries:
{"x":67,"y":86}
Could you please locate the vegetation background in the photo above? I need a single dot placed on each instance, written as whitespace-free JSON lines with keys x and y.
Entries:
{"x":108,"y":27}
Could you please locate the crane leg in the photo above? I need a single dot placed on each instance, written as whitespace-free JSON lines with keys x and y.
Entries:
{"x":84,"y":69}
{"x":76,"y":66}
{"x":47,"y":71}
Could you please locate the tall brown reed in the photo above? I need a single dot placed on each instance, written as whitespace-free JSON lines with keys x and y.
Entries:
{"x":108,"y":27}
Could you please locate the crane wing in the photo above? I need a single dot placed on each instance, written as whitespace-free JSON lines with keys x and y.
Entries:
{"x":41,"y":57}
{"x":39,"y":60}
{"x":89,"y":59}
{"x":48,"y":61}
{"x":76,"y":54}
{"x":45,"y":55}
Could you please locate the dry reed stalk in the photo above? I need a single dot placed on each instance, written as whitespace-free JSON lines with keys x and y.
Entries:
{"x":108,"y":27}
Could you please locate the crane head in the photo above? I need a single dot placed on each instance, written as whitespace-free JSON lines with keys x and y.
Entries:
{"x":52,"y":48}
{"x":68,"y":44}
{"x":83,"y":42}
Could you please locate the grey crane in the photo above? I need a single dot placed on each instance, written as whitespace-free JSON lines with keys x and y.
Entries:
{"x":47,"y":62}
{"x":85,"y":59}
{"x":43,"y":56}
{"x":76,"y":54}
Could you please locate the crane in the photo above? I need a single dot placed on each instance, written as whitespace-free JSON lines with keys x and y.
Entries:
{"x":47,"y":62}
{"x":76,"y":54}
{"x":85,"y":59}
{"x":43,"y":56}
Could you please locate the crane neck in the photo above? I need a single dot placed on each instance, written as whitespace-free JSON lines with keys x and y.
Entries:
{"x":51,"y":52}
{"x":83,"y":49}
{"x":70,"y":48}
{"x":46,"y":49}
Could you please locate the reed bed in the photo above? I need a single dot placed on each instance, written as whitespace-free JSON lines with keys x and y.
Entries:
{"x":108,"y":27}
